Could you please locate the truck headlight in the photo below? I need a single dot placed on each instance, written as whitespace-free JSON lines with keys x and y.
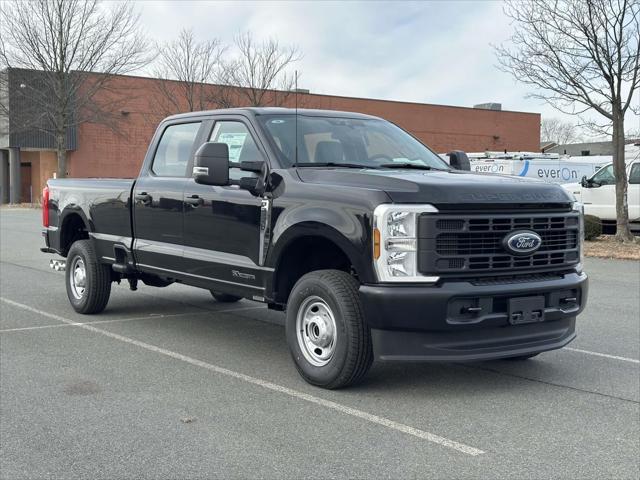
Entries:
{"x":579,"y":207}
{"x":395,"y":243}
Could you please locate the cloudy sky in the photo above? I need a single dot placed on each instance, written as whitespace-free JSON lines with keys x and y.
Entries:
{"x":432,"y":52}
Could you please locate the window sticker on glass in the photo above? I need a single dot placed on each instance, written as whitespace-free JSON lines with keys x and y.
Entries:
{"x":235,"y":142}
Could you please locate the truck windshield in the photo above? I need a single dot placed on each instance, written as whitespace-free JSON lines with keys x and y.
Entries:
{"x":348,"y":142}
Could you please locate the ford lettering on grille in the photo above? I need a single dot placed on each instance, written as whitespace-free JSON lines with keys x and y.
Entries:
{"x":522,"y":243}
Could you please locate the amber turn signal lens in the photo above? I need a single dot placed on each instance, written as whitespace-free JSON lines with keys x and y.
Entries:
{"x":376,"y":243}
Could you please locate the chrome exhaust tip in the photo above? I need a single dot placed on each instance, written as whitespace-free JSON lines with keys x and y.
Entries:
{"x":57,"y":265}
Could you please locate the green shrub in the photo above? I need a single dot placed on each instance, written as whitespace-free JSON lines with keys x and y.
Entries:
{"x":592,"y":227}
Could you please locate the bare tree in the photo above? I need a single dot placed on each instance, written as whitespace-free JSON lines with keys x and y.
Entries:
{"x":580,"y":55}
{"x":192,"y":65}
{"x":557,"y":130}
{"x":70,"y":50}
{"x":260,"y":70}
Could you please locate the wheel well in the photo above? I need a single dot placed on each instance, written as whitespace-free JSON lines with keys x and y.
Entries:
{"x":73,"y":229}
{"x":304,"y":255}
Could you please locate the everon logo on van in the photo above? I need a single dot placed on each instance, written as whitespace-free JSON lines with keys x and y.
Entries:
{"x":522,"y":243}
{"x":564,"y":173}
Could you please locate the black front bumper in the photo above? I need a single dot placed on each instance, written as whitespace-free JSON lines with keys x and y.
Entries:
{"x":433,"y":322}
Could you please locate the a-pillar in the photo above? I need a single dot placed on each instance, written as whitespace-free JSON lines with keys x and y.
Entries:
{"x":15,"y":193}
{"x":4,"y":176}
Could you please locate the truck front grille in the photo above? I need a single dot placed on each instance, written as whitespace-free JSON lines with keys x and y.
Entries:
{"x":474,"y":243}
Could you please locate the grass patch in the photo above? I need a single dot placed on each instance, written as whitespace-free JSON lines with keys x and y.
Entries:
{"x":605,"y":246}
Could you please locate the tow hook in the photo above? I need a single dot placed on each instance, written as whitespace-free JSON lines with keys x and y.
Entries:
{"x":58,"y":265}
{"x":133,"y":284}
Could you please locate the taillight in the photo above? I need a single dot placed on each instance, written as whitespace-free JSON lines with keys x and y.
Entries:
{"x":45,"y":206}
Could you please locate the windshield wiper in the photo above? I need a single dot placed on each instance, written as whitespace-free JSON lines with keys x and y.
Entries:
{"x":332,"y":164}
{"x":408,"y":165}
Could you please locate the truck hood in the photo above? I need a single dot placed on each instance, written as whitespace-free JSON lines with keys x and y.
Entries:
{"x":574,"y":189}
{"x":441,"y":187}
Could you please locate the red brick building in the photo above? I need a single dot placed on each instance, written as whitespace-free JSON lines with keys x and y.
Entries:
{"x":99,"y":152}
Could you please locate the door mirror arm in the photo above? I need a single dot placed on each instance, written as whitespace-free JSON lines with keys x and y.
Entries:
{"x":254,"y":185}
{"x":254,"y":166}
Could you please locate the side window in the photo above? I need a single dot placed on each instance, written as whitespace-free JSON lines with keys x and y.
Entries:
{"x":174,"y":149}
{"x":242,"y":146}
{"x":604,"y":176}
{"x":634,"y":175}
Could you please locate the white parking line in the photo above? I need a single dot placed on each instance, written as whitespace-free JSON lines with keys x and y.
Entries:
{"x":354,"y":412}
{"x":605,"y":355}
{"x":128,"y":319}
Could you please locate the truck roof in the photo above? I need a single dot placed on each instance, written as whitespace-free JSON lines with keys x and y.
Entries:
{"x":256,"y":111}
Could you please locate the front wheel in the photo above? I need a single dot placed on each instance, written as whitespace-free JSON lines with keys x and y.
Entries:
{"x":88,"y":281}
{"x":326,"y":331}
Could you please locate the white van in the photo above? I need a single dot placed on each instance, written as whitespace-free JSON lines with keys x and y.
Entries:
{"x":598,"y":193}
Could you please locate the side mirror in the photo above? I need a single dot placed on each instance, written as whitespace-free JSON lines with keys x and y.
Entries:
{"x":211,"y":165}
{"x":459,"y":160}
{"x":584,"y":182}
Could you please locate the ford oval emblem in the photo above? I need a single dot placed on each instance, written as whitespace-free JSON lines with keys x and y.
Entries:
{"x":522,"y":243}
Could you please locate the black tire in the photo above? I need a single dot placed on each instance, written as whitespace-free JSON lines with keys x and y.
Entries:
{"x":224,"y":297}
{"x":352,"y":353}
{"x":97,"y":285}
{"x":523,"y":357}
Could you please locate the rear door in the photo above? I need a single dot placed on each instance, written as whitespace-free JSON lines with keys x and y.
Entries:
{"x":158,"y":200}
{"x":222,"y":224}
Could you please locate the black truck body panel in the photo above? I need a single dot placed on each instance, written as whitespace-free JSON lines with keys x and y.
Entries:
{"x":104,"y":205}
{"x":444,"y":189}
{"x":227,"y":239}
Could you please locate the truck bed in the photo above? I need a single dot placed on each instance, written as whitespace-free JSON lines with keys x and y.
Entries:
{"x":104,"y":204}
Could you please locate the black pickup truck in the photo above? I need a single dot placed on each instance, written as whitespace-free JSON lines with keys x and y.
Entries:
{"x":373,"y":245}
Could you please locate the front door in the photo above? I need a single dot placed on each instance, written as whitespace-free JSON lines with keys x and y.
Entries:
{"x":600,"y":198}
{"x":158,"y":201}
{"x":222,"y":224}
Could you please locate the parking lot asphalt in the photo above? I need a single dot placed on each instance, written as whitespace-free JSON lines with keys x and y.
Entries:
{"x":168,"y":383}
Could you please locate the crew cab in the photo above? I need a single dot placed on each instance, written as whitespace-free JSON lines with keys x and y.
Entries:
{"x":598,"y":194}
{"x":373,"y":246}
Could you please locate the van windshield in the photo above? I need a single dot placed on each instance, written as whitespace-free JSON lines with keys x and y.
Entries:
{"x":349,"y":142}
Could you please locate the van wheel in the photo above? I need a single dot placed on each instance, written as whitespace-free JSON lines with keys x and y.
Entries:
{"x":326,"y":331}
{"x":88,"y":281}
{"x":224,"y":298}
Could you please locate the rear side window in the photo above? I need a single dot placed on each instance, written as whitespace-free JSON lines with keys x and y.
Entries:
{"x":174,"y":150}
{"x":634,"y":176}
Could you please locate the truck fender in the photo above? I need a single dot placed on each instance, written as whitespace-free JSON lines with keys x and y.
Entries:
{"x":351,"y":247}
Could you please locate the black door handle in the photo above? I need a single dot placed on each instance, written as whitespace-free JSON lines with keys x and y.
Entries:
{"x":143,"y":197}
{"x":194,"y":200}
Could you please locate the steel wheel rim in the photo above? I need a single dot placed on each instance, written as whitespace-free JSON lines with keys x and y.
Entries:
{"x":316,"y":331}
{"x":78,"y":278}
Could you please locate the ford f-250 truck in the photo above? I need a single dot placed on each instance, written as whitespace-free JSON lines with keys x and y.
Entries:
{"x":370,"y":242}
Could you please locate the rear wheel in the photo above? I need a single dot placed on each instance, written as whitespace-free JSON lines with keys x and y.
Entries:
{"x":88,"y":281}
{"x":224,"y":298}
{"x":327,"y":335}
